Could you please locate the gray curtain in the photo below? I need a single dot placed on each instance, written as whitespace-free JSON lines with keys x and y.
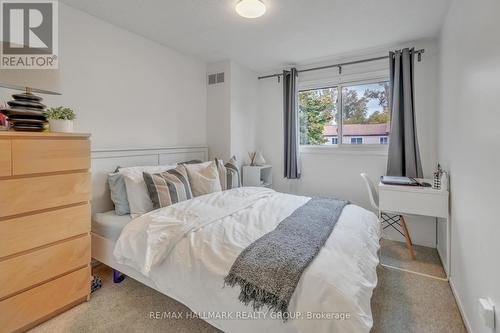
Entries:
{"x":404,"y":155}
{"x":290,"y":123}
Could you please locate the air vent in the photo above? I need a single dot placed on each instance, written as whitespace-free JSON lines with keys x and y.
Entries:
{"x":212,"y":79}
{"x":220,"y":77}
{"x":215,"y":78}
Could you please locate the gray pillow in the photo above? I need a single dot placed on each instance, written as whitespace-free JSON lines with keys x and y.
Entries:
{"x":118,"y":193}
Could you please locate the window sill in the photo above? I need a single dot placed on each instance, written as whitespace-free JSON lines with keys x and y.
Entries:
{"x":346,"y":149}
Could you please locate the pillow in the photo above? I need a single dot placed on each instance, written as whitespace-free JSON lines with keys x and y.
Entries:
{"x":203,"y":178}
{"x":233,"y":173}
{"x":137,"y":192}
{"x":229,"y":174}
{"x":169,"y":187}
{"x":118,"y":192}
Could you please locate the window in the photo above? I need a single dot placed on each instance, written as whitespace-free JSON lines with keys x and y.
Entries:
{"x":317,"y":115}
{"x":363,"y":117}
{"x":356,"y":141}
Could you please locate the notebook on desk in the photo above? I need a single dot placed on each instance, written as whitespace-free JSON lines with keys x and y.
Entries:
{"x":396,"y":180}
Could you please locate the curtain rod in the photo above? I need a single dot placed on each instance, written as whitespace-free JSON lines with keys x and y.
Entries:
{"x":339,"y":66}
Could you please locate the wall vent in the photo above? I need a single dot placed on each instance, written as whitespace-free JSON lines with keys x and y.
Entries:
{"x":215,"y":78}
{"x":220,"y":77}
{"x":212,"y":79}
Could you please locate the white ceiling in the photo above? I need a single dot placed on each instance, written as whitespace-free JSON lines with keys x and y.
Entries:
{"x":291,"y":31}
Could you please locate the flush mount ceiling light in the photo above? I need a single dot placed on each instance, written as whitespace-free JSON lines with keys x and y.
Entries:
{"x":250,"y":8}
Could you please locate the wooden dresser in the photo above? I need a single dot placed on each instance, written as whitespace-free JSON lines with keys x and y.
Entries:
{"x":44,"y":226}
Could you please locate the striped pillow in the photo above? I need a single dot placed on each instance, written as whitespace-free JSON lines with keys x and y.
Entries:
{"x":229,"y":174}
{"x":169,"y":187}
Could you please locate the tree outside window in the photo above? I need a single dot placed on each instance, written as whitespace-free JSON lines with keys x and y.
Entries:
{"x":317,"y":108}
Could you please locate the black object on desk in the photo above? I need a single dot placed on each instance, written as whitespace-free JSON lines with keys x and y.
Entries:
{"x":404,"y":181}
{"x":396,"y":180}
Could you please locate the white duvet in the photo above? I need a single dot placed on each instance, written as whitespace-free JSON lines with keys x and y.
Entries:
{"x":187,"y":249}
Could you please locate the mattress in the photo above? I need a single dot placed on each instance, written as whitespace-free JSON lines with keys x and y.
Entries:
{"x":109,"y":225}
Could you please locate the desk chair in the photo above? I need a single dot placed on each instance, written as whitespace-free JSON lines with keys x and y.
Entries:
{"x":390,"y":220}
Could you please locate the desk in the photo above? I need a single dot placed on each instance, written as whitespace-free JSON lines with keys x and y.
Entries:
{"x":417,"y":200}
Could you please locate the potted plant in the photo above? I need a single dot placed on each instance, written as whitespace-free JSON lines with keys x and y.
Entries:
{"x":60,"y":119}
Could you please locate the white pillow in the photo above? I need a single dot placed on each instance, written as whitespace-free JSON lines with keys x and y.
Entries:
{"x":203,"y":178}
{"x":137,"y":192}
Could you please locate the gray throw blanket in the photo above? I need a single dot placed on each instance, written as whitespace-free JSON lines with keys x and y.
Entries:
{"x":269,"y":269}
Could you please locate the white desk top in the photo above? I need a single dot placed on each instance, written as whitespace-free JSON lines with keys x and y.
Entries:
{"x":414,"y":189}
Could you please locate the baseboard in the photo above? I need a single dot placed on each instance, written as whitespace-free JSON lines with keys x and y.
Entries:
{"x":460,"y":307}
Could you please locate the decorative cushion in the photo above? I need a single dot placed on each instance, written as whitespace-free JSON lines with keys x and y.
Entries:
{"x":229,"y":173}
{"x":203,"y":178}
{"x":118,"y":192}
{"x":169,"y":187}
{"x":137,"y":192}
{"x":233,"y":173}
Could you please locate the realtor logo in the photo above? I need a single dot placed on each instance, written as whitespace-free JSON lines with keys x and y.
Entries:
{"x":29,"y":34}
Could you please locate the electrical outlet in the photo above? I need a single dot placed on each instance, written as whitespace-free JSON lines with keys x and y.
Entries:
{"x":487,"y":311}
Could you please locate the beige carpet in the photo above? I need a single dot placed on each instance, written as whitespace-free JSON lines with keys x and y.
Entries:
{"x":402,"y":302}
{"x":426,"y":261}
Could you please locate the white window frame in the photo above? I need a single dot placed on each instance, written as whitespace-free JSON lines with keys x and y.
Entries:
{"x":336,"y":140}
{"x":339,"y":82}
{"x":382,"y":138}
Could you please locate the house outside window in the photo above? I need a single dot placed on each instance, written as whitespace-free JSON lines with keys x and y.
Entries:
{"x":383,"y":140}
{"x":356,"y":141}
{"x":334,"y":140}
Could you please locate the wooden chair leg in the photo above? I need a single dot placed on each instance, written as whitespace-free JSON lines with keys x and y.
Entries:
{"x":409,"y":243}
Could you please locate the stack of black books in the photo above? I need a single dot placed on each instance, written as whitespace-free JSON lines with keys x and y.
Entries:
{"x":26,"y":113}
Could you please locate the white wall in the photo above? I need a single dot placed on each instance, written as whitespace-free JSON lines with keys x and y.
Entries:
{"x":232,"y":109}
{"x":336,"y":173}
{"x":469,"y":146}
{"x":126,"y":90}
{"x":244,"y":104}
{"x":219,"y":112}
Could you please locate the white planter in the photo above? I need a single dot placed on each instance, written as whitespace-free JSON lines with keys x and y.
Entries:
{"x":61,"y":125}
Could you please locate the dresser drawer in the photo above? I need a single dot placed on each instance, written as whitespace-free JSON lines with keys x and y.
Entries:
{"x":21,"y":272}
{"x":39,"y":156}
{"x":21,"y":195}
{"x":24,"y":310}
{"x":27,"y":232}
{"x":5,"y":158}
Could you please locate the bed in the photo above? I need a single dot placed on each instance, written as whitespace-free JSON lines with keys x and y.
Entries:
{"x":186,"y":257}
{"x":109,"y":225}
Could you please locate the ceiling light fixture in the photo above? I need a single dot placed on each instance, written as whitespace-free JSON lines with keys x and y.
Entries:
{"x":250,"y":8}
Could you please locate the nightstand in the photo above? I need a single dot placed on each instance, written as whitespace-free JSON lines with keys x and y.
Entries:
{"x":257,"y":175}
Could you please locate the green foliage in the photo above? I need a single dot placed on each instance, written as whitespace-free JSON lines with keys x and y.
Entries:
{"x":356,"y":109}
{"x":378,"y":117}
{"x":316,"y":109}
{"x":61,"y":113}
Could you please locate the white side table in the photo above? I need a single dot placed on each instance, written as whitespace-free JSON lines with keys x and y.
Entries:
{"x":260,"y":176}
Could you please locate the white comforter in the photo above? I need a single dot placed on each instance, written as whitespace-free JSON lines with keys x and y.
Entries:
{"x":187,"y":249}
